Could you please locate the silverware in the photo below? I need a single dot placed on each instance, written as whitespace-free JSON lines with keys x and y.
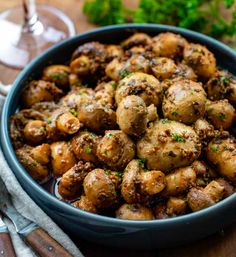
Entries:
{"x":6,"y":246}
{"x":37,"y":238}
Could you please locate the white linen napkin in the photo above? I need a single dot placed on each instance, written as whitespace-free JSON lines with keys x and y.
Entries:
{"x":28,"y":208}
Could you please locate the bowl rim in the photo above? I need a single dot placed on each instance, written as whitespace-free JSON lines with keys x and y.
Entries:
{"x":17,"y":167}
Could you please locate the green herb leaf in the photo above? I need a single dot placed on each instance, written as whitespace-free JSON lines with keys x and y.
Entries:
{"x":215,"y":148}
{"x":88,"y":149}
{"x":165,"y":121}
{"x":176,"y":137}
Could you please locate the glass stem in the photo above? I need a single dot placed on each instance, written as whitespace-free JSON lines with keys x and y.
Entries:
{"x":30,"y":15}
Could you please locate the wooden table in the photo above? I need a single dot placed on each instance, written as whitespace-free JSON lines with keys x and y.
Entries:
{"x":222,"y":244}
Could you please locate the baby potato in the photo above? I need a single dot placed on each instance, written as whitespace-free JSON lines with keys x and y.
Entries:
{"x":184,"y":101}
{"x":114,"y":51}
{"x":183,"y":71}
{"x":162,"y":67}
{"x":201,"y":198}
{"x":136,"y":39}
{"x":220,"y":152}
{"x":132,"y":115}
{"x":115,"y":149}
{"x":68,"y":123}
{"x":152,"y":182}
{"x":85,"y":204}
{"x":179,"y":181}
{"x":131,"y":181}
{"x":135,"y":50}
{"x":114,"y":68}
{"x":99,"y":189}
{"x":143,"y":85}
{"x":96,"y":117}
{"x":36,"y":170}
{"x":62,"y":158}
{"x":71,"y":182}
{"x":59,"y":74}
{"x":35,"y":131}
{"x":105,"y":93}
{"x":204,"y":129}
{"x":176,"y":206}
{"x":41,"y":153}
{"x":81,"y":65}
{"x":134,"y":212}
{"x":168,"y":45}
{"x":39,"y":91}
{"x":168,"y":145}
{"x":84,"y":145}
{"x":136,"y":63}
{"x":77,"y":97}
{"x":200,"y":59}
{"x":232,"y":92}
{"x":220,"y":113}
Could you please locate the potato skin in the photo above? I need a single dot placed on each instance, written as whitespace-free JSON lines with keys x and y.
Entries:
{"x":35,"y":131}
{"x":162,"y":67}
{"x":59,"y":74}
{"x":204,"y":129}
{"x":39,"y":91}
{"x":176,"y":206}
{"x":72,"y":181}
{"x":68,"y":123}
{"x":99,"y":189}
{"x":220,"y":152}
{"x":183,"y":71}
{"x":62,"y":157}
{"x":84,"y":146}
{"x":143,"y":85}
{"x":184,"y":101}
{"x":134,"y":212}
{"x":168,"y":145}
{"x":41,"y":153}
{"x":200,"y":59}
{"x":152,"y":182}
{"x":115,"y":149}
{"x":168,"y":45}
{"x":179,"y":181}
{"x":96,"y":117}
{"x":85,"y":204}
{"x":220,"y":113}
{"x":37,"y":170}
{"x":136,"y":39}
{"x":132,"y":115}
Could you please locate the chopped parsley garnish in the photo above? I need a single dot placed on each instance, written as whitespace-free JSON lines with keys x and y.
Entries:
{"x":215,"y":148}
{"x":58,"y":76}
{"x":141,"y":163}
{"x":225,"y":80}
{"x":114,"y":85}
{"x":109,"y":135}
{"x":42,"y":129}
{"x":49,"y":121}
{"x":176,"y":137}
{"x":222,"y":116}
{"x":107,"y":172}
{"x":73,"y":112}
{"x":88,"y":150}
{"x":165,"y":121}
{"x":124,"y":73}
{"x":174,"y":114}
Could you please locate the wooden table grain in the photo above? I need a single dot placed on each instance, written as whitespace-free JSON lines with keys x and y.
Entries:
{"x":222,"y":244}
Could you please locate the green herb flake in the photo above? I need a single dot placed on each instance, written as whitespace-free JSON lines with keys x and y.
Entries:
{"x":42,"y":129}
{"x":56,"y":77}
{"x":107,"y":172}
{"x":49,"y":121}
{"x":176,"y":137}
{"x":174,"y":114}
{"x":109,"y":135}
{"x":221,"y":116}
{"x":215,"y":148}
{"x":88,"y":149}
{"x":73,"y":112}
{"x":114,"y":85}
{"x":165,"y":121}
{"x":141,"y":163}
{"x":123,"y":73}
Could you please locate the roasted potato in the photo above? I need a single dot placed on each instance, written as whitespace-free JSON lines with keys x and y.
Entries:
{"x":168,"y":145}
{"x":134,"y":212}
{"x":184,"y":101}
{"x":115,"y":149}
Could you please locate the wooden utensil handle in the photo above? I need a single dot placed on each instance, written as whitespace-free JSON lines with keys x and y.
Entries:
{"x":6,"y":246}
{"x":44,"y":245}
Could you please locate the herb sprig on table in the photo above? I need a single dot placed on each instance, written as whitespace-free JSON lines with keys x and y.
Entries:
{"x":205,"y":16}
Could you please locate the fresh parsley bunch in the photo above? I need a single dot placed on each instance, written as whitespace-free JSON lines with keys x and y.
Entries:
{"x":201,"y":15}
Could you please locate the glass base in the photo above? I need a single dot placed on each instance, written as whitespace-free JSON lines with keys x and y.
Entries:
{"x":20,"y":44}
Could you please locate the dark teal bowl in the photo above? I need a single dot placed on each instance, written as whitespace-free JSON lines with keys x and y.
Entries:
{"x":106,"y":230}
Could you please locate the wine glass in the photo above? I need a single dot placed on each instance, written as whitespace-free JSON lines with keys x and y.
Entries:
{"x":27,"y":30}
